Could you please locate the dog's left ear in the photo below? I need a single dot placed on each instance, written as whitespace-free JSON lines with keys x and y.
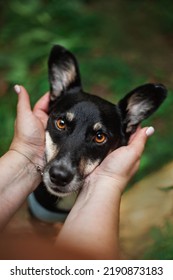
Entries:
{"x":63,"y":71}
{"x":139,"y":104}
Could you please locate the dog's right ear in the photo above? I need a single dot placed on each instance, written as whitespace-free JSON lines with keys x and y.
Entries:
{"x":139,"y":104}
{"x":63,"y":71}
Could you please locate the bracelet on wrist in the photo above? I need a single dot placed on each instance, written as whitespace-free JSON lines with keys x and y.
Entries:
{"x":38,"y":168}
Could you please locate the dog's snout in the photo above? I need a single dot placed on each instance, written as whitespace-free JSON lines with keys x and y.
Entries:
{"x":60,"y":176}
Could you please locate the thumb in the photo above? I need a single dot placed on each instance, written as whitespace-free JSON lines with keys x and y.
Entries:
{"x":43,"y":103}
{"x":140,"y":138}
{"x":23,"y":105}
{"x":41,"y":109}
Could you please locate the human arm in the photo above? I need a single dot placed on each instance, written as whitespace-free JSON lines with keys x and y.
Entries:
{"x":19,"y":176}
{"x":91,"y":229}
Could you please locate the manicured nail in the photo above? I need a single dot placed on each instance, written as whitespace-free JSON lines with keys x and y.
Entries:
{"x":150,"y":130}
{"x":17,"y":89}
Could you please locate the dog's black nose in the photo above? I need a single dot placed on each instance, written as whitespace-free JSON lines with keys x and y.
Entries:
{"x":60,"y":176}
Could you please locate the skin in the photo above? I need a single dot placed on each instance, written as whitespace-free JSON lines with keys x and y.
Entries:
{"x":91,"y":229}
{"x":96,"y":211}
{"x":18,"y":175}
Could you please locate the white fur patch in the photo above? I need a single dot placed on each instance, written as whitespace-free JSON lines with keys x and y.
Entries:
{"x":88,"y":166}
{"x":62,"y":78}
{"x":69,"y":116}
{"x":97,"y":126}
{"x":67,"y":202}
{"x":51,"y":148}
{"x":137,"y":110}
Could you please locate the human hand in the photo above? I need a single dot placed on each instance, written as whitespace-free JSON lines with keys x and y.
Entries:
{"x":120,"y":165}
{"x":29,"y":136}
{"x":95,"y":214}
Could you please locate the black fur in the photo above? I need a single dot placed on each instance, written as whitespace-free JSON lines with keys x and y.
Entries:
{"x":85,"y":117}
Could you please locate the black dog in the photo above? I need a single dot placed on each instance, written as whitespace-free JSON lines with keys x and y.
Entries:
{"x":82,"y":128}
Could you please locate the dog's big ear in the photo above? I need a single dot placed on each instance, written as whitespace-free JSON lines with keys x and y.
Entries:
{"x":139,"y":104}
{"x":63,"y":71}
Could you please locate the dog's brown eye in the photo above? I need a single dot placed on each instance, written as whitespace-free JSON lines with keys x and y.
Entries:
{"x":60,"y":123}
{"x":100,"y":138}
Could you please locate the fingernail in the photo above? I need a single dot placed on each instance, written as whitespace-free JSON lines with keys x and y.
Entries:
{"x":17,"y":89}
{"x":150,"y":130}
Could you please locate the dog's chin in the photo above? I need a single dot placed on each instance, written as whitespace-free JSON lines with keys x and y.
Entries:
{"x":55,"y":191}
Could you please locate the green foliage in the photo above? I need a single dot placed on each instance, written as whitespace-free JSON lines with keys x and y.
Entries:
{"x":106,"y":37}
{"x":29,"y":29}
{"x":33,"y":27}
{"x":162,"y":246}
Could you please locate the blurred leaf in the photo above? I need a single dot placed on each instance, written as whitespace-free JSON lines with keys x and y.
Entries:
{"x":162,"y":246}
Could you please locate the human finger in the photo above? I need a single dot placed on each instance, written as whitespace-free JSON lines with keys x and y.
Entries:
{"x":140,"y":138}
{"x":43,"y":103}
{"x":133,"y":135}
{"x":41,"y":109}
{"x":23,"y":104}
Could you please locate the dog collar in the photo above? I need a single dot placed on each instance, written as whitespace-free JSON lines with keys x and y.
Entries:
{"x":42,"y":213}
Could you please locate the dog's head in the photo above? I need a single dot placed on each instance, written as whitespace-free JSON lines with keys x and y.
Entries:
{"x":82,"y":128}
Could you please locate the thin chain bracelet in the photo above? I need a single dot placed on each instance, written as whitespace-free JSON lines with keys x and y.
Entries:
{"x":38,"y":167}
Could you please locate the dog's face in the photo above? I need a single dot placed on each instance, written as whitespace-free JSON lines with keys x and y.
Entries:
{"x":81,"y":131}
{"x":82,"y":128}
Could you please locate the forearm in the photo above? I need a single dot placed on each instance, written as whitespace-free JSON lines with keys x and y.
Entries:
{"x":19,"y":177}
{"x":91,"y":229}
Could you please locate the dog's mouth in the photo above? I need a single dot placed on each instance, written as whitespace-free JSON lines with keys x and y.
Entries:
{"x":59,"y":191}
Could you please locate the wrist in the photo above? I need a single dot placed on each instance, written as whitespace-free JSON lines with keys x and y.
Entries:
{"x":18,"y":179}
{"x":97,"y":207}
{"x":105,"y":182}
{"x":33,"y":153}
{"x":100,"y":192}
{"x":30,"y":165}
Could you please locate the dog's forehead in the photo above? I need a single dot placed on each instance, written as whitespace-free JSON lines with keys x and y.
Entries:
{"x":85,"y":114}
{"x":98,"y":115}
{"x":84,"y":109}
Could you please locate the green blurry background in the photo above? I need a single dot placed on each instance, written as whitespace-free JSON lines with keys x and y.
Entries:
{"x":120,"y":45}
